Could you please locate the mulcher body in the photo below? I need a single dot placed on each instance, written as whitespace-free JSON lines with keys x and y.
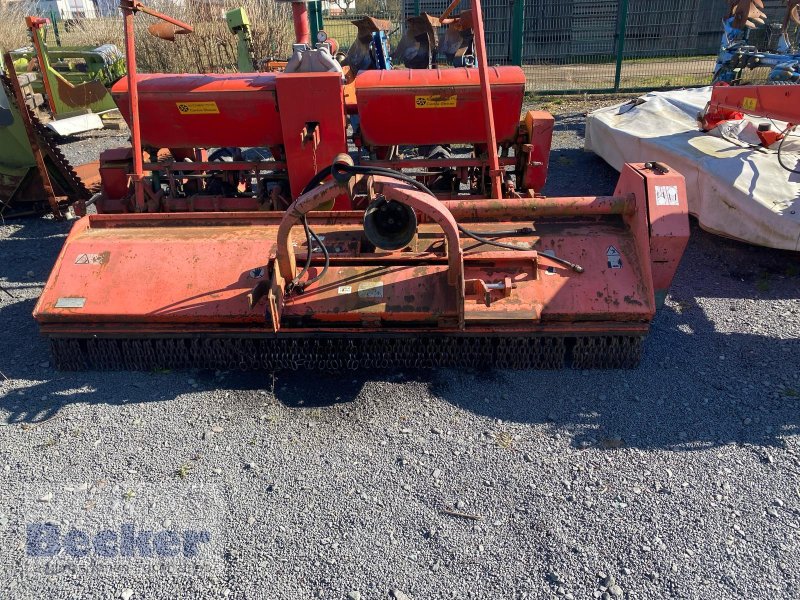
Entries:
{"x":418,"y":258}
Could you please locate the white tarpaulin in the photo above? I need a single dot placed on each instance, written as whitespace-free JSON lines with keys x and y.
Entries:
{"x":734,"y":190}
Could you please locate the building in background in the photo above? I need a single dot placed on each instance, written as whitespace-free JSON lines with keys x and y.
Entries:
{"x":68,"y":9}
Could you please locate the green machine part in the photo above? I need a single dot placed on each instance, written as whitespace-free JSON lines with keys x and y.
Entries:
{"x":77,"y":77}
{"x":239,"y":25}
{"x":22,"y":185}
{"x":16,"y":154}
{"x":315,"y":19}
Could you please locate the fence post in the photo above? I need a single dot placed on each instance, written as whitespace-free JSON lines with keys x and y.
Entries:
{"x":315,"y":19}
{"x":517,"y":27}
{"x":54,"y":23}
{"x":623,"y":27}
{"x":417,"y":8}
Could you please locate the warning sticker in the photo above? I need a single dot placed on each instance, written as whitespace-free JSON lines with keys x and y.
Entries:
{"x":198,"y":108}
{"x":750,"y":103}
{"x":370,"y":289}
{"x":614,"y":258}
{"x":91,"y":259}
{"x":436,"y":101}
{"x":70,"y":302}
{"x":667,"y":195}
{"x":345,"y":289}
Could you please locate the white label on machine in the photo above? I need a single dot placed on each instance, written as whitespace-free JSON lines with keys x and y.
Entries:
{"x":614,"y":258}
{"x":345,"y":289}
{"x":667,"y":195}
{"x":370,"y":289}
{"x":70,"y":302}
{"x":91,"y":259}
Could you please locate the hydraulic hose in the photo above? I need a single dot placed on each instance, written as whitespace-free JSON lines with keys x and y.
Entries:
{"x":295,"y":283}
{"x":786,"y":135}
{"x":341,"y":169}
{"x":342,"y":172}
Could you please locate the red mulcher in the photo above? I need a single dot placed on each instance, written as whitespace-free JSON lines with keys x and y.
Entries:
{"x":413,"y":254}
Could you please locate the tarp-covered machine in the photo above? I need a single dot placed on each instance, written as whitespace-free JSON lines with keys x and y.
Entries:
{"x":735,"y":144}
{"x":428,"y":245}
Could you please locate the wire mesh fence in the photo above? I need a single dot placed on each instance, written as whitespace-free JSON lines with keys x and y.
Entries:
{"x":594,"y":46}
{"x":564,"y":46}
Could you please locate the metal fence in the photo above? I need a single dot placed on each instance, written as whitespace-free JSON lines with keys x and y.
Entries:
{"x":595,"y":46}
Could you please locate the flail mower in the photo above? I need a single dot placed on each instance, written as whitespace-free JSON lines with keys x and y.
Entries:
{"x":395,"y":223}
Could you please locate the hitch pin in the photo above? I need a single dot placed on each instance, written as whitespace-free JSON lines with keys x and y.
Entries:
{"x":506,"y":286}
{"x":499,"y":286}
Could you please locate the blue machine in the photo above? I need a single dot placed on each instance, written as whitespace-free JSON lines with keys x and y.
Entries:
{"x":737,"y":54}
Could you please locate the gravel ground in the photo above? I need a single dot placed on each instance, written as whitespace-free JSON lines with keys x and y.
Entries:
{"x":86,"y":147}
{"x":675,"y":480}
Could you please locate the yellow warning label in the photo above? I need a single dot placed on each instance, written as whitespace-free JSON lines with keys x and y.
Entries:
{"x":436,"y":101}
{"x":749,"y":103}
{"x":198,"y":108}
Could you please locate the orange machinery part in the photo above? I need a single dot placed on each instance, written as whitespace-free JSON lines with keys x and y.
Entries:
{"x":727,"y":102}
{"x":436,"y":106}
{"x":427,"y":107}
{"x":242,"y":109}
{"x":104,"y":281}
{"x":301,"y":117}
{"x":213,"y":110}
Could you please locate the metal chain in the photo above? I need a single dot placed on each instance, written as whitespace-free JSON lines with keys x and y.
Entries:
{"x":335,"y":354}
{"x":607,"y":352}
{"x":77,"y":188}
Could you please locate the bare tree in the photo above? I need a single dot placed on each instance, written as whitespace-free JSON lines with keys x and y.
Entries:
{"x":343,"y":5}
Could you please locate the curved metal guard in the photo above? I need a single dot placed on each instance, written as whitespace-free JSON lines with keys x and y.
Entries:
{"x":392,"y":190}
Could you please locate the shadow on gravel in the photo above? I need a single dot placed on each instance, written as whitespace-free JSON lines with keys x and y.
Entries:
{"x":317,"y":390}
{"x":571,"y":122}
{"x":684,"y":403}
{"x":707,"y":378}
{"x":718,"y":366}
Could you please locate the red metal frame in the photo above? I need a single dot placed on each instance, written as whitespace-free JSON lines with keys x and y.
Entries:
{"x":37,"y":23}
{"x":313,"y":123}
{"x":129,"y":8}
{"x":727,"y":102}
{"x":578,"y":266}
{"x":439,"y":284}
{"x":486,"y":92}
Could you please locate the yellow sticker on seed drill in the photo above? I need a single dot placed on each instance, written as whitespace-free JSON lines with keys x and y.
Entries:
{"x":749,"y":103}
{"x":436,"y":101}
{"x":198,"y":108}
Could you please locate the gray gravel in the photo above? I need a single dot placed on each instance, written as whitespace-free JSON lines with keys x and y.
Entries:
{"x":676,"y":480}
{"x":86,"y":147}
